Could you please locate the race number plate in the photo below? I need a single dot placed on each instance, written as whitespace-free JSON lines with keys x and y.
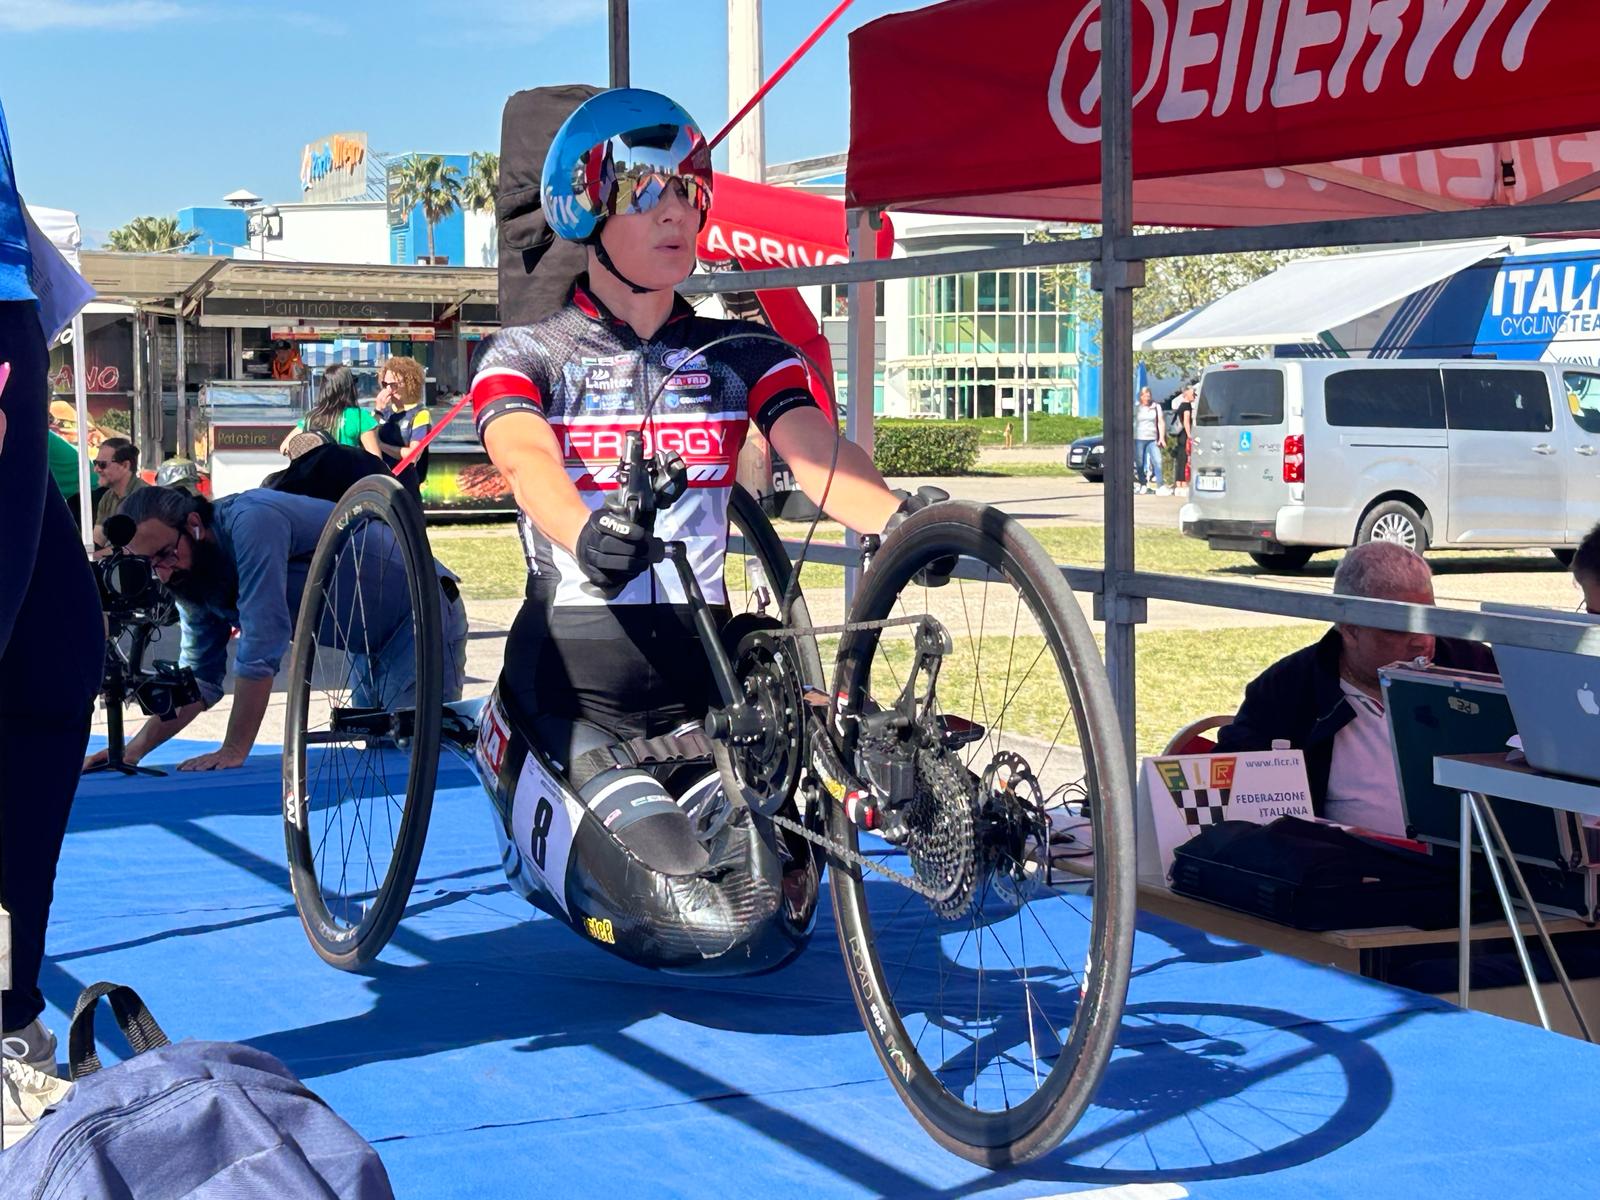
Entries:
{"x":543,"y":819}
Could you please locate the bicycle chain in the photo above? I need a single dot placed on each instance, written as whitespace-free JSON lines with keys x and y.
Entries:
{"x":847,"y":627}
{"x":858,"y":860}
{"x":817,"y":839}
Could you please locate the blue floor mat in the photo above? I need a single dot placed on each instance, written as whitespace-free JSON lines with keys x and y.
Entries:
{"x":492,"y":1052}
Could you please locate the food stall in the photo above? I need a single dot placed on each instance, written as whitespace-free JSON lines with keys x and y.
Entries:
{"x":239,"y":426}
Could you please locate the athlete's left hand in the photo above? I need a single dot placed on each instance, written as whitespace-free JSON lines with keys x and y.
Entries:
{"x":937,"y":573}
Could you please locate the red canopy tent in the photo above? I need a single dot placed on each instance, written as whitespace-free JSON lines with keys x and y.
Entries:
{"x":759,"y":227}
{"x":1225,"y":113}
{"x":1245,"y":111}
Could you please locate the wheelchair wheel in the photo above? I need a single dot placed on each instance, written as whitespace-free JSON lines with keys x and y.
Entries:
{"x":990,"y":977}
{"x":361,"y":744}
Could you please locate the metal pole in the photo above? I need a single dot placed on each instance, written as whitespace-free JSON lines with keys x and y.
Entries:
{"x":1464,"y":906}
{"x":619,"y":43}
{"x":1117,"y":278}
{"x":141,"y":439}
{"x":80,"y":397}
{"x":155,"y":416}
{"x":181,"y":449}
{"x":1025,"y":391}
{"x":747,"y":144}
{"x":1493,"y":859}
{"x":861,"y":348}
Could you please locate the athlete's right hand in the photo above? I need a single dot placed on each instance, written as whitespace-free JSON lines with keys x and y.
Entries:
{"x":612,"y":549}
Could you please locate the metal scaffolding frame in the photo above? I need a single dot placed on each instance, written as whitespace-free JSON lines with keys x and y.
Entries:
{"x":1117,"y":259}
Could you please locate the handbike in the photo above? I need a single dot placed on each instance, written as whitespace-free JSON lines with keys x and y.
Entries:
{"x":963,"y":746}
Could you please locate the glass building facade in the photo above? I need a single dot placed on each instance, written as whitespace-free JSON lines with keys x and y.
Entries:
{"x":984,"y":343}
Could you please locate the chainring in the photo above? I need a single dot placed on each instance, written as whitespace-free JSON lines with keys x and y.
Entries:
{"x":767,"y":767}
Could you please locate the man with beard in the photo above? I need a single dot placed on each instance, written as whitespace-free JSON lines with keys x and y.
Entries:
{"x":242,"y":564}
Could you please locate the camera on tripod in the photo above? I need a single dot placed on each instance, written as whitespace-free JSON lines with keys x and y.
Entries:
{"x":136,"y":606}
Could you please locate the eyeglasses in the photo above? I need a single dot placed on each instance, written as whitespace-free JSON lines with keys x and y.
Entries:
{"x":169,"y":556}
{"x":641,"y":191}
{"x":394,"y":385}
{"x":101,"y":466}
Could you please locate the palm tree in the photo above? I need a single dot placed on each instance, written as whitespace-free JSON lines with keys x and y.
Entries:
{"x":426,"y":180}
{"x":151,"y":235}
{"x":483,"y":177}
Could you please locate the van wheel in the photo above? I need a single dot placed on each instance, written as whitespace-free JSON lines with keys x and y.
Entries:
{"x":1393,"y":521}
{"x":1284,"y":560}
{"x":1564,"y":554}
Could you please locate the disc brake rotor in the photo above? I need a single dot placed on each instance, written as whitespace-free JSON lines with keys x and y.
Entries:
{"x":1015,"y":827}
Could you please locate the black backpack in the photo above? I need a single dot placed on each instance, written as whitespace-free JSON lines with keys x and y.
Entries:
{"x":536,"y":267}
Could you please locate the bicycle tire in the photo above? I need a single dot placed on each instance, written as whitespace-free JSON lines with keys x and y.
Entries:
{"x":1012,"y":1135}
{"x":341,"y":942}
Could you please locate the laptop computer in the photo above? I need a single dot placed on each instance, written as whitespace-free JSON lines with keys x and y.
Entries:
{"x":1434,"y":710}
{"x":1555,"y":697}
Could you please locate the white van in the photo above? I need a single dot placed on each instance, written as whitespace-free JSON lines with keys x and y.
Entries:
{"x":1292,"y":456}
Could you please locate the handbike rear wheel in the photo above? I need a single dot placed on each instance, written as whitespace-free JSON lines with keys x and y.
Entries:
{"x":361,"y":743}
{"x":993,"y":995}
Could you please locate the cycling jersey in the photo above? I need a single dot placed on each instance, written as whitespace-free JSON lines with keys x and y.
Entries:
{"x":591,"y":377}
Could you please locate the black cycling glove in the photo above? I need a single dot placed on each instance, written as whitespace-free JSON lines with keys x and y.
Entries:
{"x":612,"y":549}
{"x":938,"y":572}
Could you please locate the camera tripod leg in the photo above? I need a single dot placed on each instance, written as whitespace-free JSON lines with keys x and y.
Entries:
{"x":125,"y":768}
{"x":114,"y":696}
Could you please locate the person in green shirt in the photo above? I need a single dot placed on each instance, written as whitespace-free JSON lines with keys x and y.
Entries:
{"x":338,"y":412}
{"x":64,"y":466}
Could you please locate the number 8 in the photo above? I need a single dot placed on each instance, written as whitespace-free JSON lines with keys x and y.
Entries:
{"x":542,"y":817}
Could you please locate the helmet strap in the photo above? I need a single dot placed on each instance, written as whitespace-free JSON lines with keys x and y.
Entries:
{"x":605,"y":261}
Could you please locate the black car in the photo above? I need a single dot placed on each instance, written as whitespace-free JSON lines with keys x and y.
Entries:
{"x":1088,"y":456}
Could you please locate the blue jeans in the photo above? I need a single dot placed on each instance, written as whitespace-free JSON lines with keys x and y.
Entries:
{"x":1147,"y":462}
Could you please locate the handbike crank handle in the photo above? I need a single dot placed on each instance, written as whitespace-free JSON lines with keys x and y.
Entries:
{"x":729,"y":693}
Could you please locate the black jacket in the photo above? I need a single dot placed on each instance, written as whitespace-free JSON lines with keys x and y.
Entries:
{"x":1298,"y":699}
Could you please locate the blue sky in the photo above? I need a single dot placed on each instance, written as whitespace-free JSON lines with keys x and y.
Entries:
{"x":124,"y":107}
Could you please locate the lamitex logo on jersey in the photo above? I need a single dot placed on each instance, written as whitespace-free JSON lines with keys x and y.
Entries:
{"x":709,"y":447}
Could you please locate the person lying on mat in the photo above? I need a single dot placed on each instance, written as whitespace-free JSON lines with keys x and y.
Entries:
{"x":242,"y":563}
{"x":1325,"y":700}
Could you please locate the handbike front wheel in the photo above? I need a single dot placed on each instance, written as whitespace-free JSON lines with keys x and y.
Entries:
{"x":990,"y":979}
{"x":361,"y":743}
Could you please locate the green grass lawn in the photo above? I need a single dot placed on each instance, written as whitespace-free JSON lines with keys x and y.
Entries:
{"x":1044,"y":429}
{"x":1182,"y":675}
{"x":1024,"y":470}
{"x":491,"y":565}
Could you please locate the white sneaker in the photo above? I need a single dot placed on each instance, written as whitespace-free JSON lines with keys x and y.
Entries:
{"x":1163,"y":491}
{"x":33,"y":1044}
{"x":25,"y":1095}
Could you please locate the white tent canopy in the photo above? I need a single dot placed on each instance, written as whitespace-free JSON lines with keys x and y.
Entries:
{"x":1301,"y":301}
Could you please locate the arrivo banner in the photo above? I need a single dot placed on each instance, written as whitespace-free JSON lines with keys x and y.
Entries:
{"x":763,"y":227}
{"x":1219,"y":85}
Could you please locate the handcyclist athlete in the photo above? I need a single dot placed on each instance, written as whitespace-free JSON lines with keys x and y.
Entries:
{"x":603,"y":648}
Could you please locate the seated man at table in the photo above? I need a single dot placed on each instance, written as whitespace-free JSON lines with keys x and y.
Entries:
{"x":1325,"y":700}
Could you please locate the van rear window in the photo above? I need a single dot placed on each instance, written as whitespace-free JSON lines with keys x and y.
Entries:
{"x":1398,"y":399}
{"x":1241,"y":398}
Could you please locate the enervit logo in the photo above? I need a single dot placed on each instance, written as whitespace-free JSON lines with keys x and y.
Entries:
{"x":1248,"y":53}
